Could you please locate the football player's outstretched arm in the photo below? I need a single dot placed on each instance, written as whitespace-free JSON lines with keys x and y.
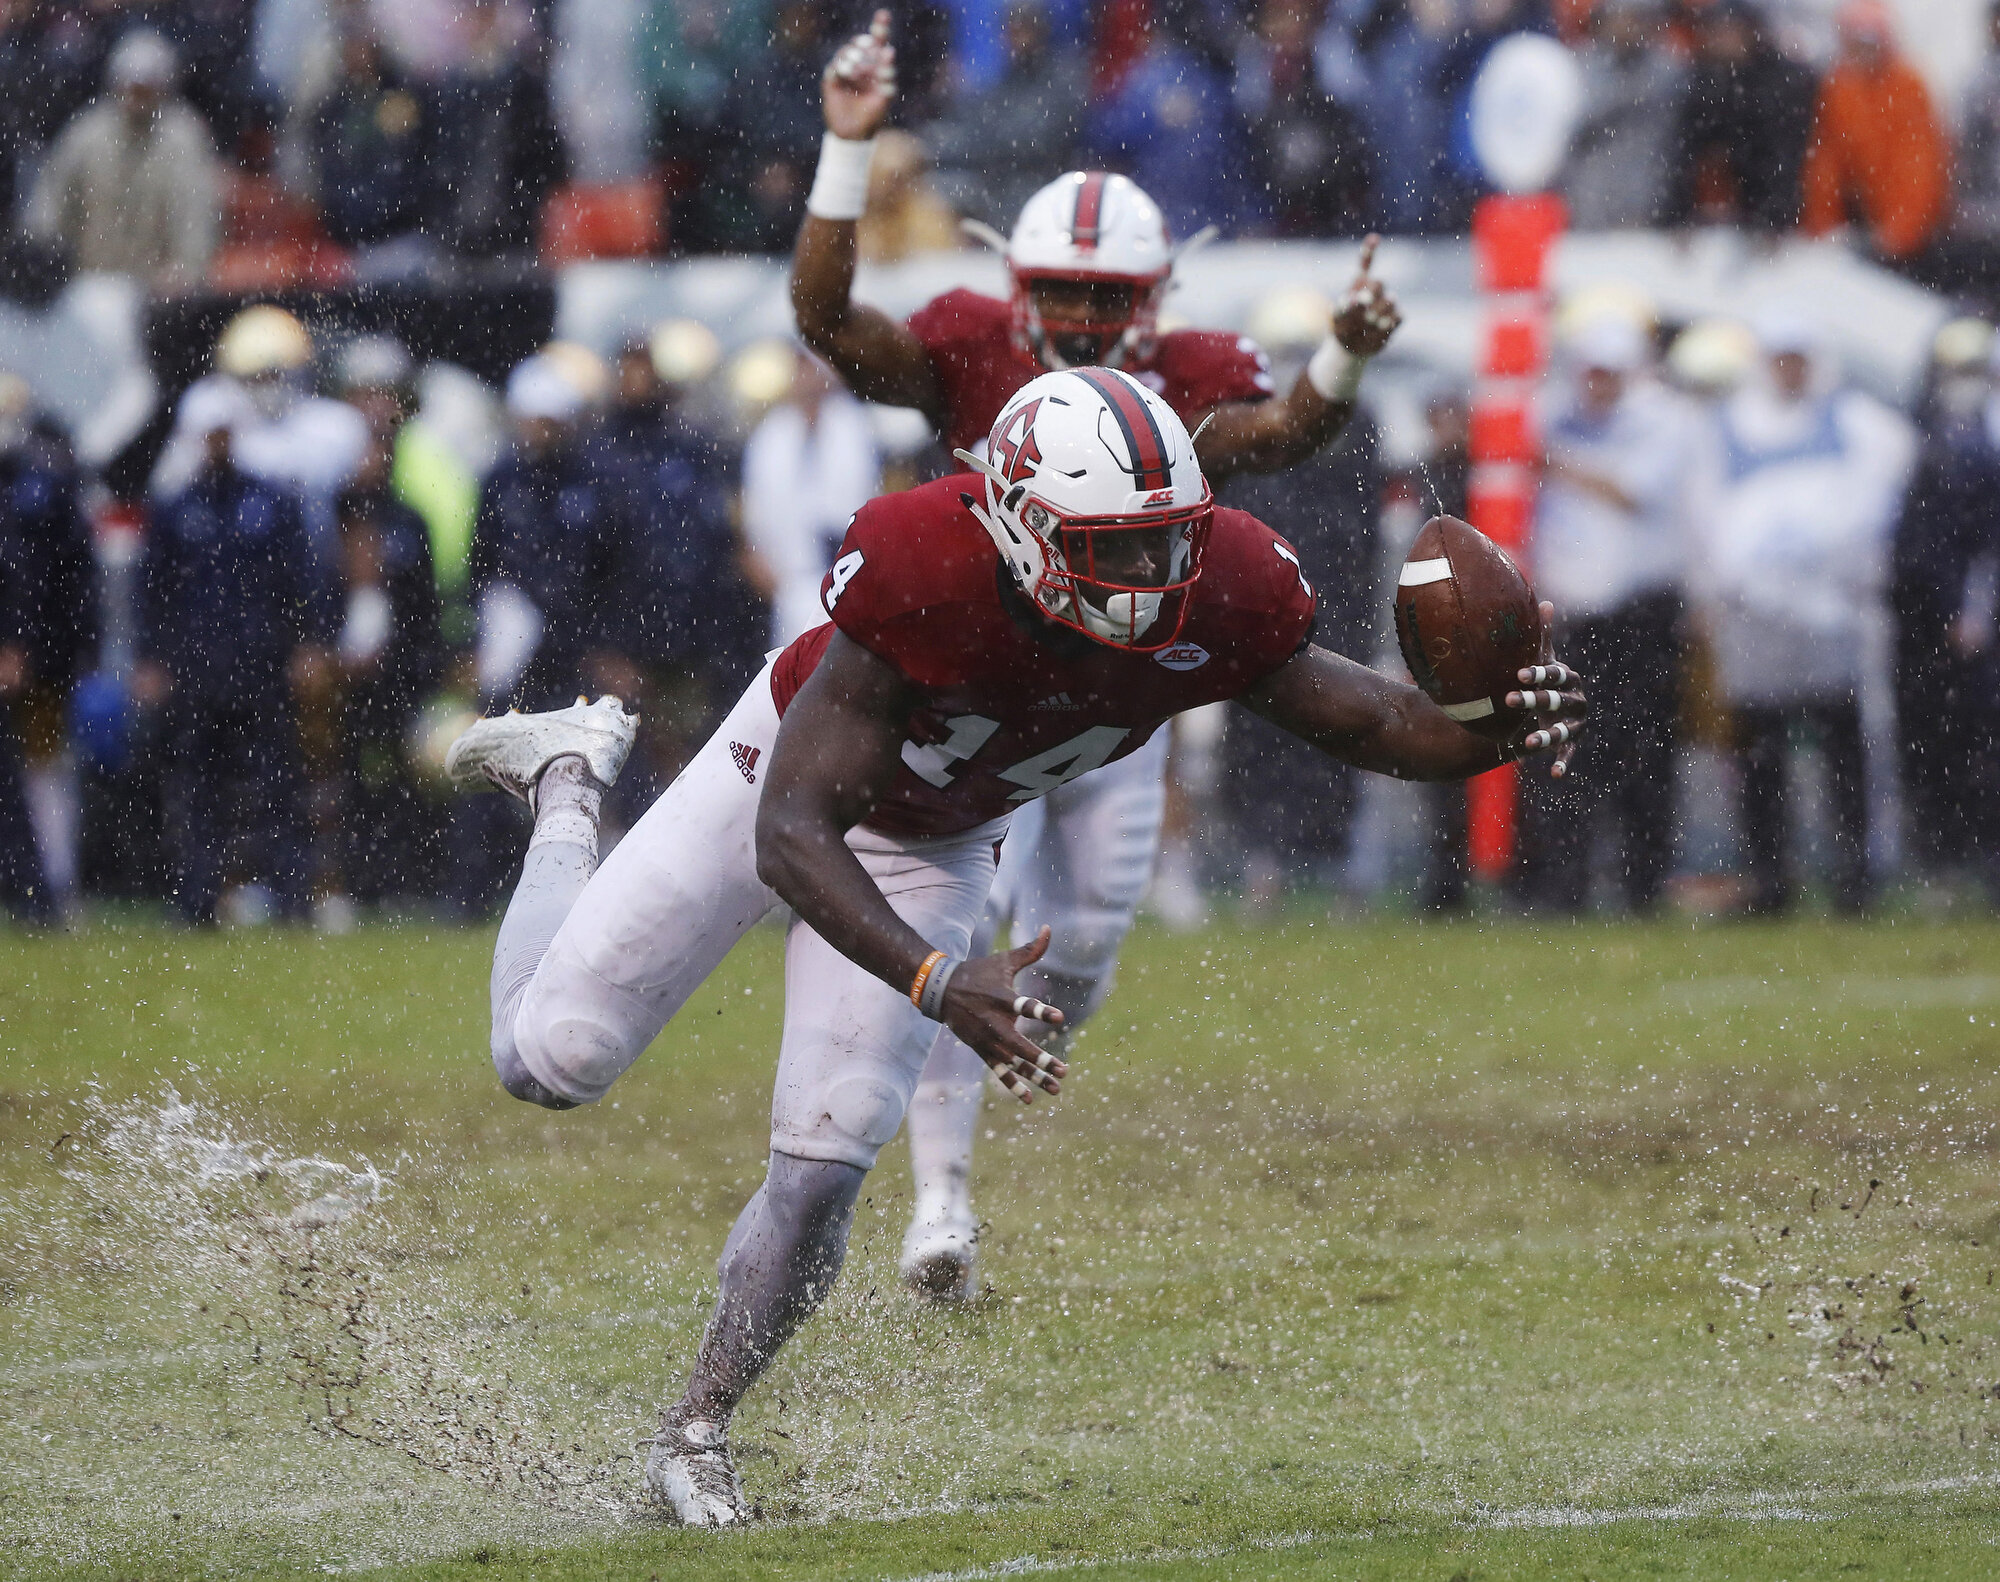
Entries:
{"x":837,"y":755}
{"x":1367,"y":720}
{"x":879,"y":358}
{"x":1264,"y":436}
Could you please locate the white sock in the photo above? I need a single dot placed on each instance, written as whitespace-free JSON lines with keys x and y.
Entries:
{"x":568,"y":802}
{"x":943,"y":1117}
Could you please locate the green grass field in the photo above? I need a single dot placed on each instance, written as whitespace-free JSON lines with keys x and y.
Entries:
{"x":1370,"y":1251}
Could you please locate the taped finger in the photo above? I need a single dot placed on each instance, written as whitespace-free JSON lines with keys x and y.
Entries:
{"x":1047,"y":1081}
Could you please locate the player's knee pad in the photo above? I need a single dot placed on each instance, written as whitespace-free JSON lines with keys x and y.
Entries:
{"x":850,"y":1121}
{"x":519,"y":1081}
{"x":576,"y":1034}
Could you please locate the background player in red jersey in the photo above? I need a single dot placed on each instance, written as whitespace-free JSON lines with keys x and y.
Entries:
{"x":1090,"y":260}
{"x":865,"y":780}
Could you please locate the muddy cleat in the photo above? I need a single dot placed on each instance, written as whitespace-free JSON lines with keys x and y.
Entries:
{"x":938,"y":1253}
{"x":689,"y":1472}
{"x":509,"y":751}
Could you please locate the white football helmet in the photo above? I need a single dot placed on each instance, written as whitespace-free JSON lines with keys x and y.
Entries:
{"x":1090,"y":226}
{"x":1097,"y":504}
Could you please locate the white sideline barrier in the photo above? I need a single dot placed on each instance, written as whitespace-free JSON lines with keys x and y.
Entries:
{"x":84,"y":359}
{"x":1878,"y":323}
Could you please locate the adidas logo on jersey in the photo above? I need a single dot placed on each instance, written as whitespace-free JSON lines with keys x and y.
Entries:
{"x":1061,"y":703}
{"x":746,"y":759}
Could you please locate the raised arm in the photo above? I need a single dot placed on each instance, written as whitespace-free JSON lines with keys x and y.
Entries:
{"x":1265,"y":436}
{"x":836,"y":756}
{"x":1367,"y":720}
{"x":879,"y":358}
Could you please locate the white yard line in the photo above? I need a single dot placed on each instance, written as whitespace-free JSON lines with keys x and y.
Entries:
{"x":1752,"y":1508}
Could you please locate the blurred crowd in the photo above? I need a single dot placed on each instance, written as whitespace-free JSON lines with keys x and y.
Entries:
{"x":235,"y":700}
{"x":229,"y":689}
{"x":1783,"y":593}
{"x":254,"y":144}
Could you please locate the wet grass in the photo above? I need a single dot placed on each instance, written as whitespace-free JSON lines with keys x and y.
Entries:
{"x":1372,"y":1251}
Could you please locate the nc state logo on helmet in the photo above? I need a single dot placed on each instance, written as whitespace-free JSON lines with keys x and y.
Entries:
{"x":1096,"y":501}
{"x":1091,"y":227}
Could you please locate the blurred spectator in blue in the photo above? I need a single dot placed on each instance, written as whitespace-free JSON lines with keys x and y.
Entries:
{"x":1941,"y":569}
{"x":54,"y":602}
{"x":998,"y":144}
{"x":809,"y":466}
{"x":978,"y":46}
{"x":1171,"y":125}
{"x":1611,"y":551}
{"x":369,"y":145}
{"x":496,"y":154}
{"x":283,"y":433}
{"x":390,"y":657}
{"x":230,"y":626}
{"x":644,"y":425}
{"x":549,"y":615}
{"x":1313,"y":156}
{"x":1799,"y":496}
{"x":1745,"y":120}
{"x":769,"y":139}
{"x":427,"y":473}
{"x":1622,"y":154}
{"x":687,"y":622}
{"x":542,"y":549}
{"x":131,"y":185}
{"x":1398,"y":63}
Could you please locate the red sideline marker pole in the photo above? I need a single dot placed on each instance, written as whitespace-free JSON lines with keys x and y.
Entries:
{"x":1512,"y":236}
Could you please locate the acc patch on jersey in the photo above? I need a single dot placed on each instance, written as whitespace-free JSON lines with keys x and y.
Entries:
{"x":1182,"y":656}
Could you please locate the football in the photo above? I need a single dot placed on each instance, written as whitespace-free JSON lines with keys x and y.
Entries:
{"x":1467,"y":621}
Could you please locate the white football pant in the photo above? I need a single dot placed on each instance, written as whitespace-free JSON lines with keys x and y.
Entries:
{"x":1079,"y":860}
{"x":642,"y":933}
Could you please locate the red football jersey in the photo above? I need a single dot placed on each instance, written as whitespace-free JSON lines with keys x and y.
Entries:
{"x":970,"y":339}
{"x":1015,"y":706}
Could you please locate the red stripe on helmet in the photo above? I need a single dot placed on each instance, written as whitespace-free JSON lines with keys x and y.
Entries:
{"x":1148,"y":445}
{"x":1089,"y":210}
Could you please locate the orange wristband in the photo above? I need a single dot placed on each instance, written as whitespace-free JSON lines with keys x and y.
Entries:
{"x":923,"y":977}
